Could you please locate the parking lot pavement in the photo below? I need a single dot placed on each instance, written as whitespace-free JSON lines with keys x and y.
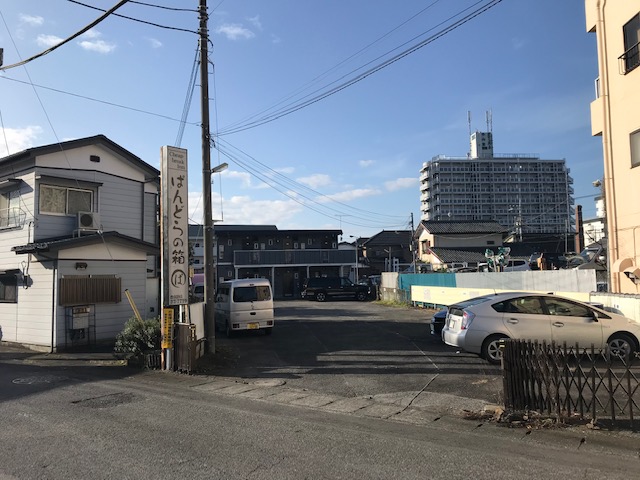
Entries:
{"x":360,"y":351}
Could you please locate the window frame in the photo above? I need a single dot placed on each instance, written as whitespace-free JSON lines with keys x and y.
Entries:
{"x":67,"y":211}
{"x":8,"y":282}
{"x":634,"y":153}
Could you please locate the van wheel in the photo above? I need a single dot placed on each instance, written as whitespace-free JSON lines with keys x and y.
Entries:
{"x":268,"y":331}
{"x":361,"y":296}
{"x":228,"y":330}
{"x":321,"y":296}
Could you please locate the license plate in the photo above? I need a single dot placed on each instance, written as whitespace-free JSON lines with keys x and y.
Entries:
{"x":253,"y":326}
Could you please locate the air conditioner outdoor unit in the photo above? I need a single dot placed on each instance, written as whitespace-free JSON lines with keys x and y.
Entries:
{"x":88,"y":221}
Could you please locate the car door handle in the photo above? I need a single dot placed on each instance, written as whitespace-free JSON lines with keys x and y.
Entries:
{"x":558,"y":324}
{"x":513,"y":320}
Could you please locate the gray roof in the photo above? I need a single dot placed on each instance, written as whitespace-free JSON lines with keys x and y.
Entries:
{"x":450,"y":255}
{"x":82,"y":142}
{"x":449,"y":227}
{"x":389,"y":237}
{"x":62,"y":243}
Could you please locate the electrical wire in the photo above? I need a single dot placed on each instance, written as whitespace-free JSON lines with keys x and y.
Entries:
{"x":68,"y":39}
{"x":142,"y":21}
{"x":332,"y":91}
{"x":91,"y":99}
{"x":300,"y":198}
{"x":282,"y":179}
{"x":188,"y":98}
{"x":334,"y":68}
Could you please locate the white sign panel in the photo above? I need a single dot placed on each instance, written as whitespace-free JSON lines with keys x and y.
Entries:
{"x":175,"y":226}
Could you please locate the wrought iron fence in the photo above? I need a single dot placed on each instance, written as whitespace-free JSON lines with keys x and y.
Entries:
{"x":570,"y":381}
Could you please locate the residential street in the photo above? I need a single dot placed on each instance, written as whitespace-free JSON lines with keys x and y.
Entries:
{"x":348,"y":407}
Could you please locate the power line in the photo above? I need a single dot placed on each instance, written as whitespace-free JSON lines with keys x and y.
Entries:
{"x":104,"y":102}
{"x":302,"y":104}
{"x":143,"y":21}
{"x":67,"y":40}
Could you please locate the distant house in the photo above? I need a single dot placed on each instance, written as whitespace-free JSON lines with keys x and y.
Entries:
{"x":78,"y":236}
{"x":388,"y":251}
{"x":444,"y":243}
{"x":285,"y":257}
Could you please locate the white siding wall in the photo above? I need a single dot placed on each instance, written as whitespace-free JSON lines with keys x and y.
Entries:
{"x":110,"y":317}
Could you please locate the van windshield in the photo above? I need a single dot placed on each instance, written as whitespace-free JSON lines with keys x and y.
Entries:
{"x":251,"y":294}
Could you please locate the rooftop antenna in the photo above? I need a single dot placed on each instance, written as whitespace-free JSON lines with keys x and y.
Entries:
{"x":489,"y":121}
{"x":469,"y":123}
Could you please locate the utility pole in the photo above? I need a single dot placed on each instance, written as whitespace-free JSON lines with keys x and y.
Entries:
{"x":209,"y":277}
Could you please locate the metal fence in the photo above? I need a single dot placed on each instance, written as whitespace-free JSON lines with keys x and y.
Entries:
{"x":569,"y":381}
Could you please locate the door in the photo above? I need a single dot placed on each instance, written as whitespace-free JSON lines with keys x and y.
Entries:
{"x":525,"y":319}
{"x":573,"y":323}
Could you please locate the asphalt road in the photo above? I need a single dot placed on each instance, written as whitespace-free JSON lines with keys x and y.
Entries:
{"x":354,"y":349}
{"x":340,"y":390}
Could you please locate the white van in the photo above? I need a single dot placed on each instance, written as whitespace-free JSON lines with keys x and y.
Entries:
{"x":245,"y":304}
{"x":517,"y":266}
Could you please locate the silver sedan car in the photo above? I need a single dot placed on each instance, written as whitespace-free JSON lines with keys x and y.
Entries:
{"x":479,"y":324}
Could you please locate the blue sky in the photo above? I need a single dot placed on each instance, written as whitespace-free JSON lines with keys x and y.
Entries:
{"x":350,"y":160}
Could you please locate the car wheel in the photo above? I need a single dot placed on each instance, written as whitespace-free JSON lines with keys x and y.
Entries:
{"x":321,"y":296}
{"x":621,"y":345}
{"x":361,"y":296}
{"x":491,"y":349}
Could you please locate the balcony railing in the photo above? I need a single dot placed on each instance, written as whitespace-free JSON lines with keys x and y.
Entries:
{"x":12,"y":218}
{"x":630,"y":59}
{"x":293,"y":257}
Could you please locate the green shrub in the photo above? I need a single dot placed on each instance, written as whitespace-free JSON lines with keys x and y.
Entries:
{"x":138,"y":336}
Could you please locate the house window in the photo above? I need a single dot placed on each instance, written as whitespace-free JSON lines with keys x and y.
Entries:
{"x":635,"y":148}
{"x":8,"y":288}
{"x":65,"y":201}
{"x":631,"y":33}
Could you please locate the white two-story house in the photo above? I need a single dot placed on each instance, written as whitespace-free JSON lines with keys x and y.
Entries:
{"x":79,"y":243}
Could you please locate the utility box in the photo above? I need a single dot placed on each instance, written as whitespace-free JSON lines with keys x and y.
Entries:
{"x":186,"y":347}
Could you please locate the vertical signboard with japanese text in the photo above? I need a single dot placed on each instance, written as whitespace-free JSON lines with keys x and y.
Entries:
{"x":175,"y":226}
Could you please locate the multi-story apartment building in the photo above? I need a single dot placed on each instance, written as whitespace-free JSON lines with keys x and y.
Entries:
{"x":285,"y":257}
{"x":523,"y":192}
{"x":615,"y":116}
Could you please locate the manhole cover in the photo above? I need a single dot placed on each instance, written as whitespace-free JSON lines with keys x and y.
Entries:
{"x":39,"y":379}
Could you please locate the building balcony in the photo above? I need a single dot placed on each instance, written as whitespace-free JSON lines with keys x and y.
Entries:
{"x":12,"y":218}
{"x":597,"y":116}
{"x":254,"y":258}
{"x":630,"y":59}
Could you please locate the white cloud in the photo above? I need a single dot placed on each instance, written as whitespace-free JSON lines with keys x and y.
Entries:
{"x":154,"y":42}
{"x":48,"y":40}
{"x":244,"y":177}
{"x":99,"y":46}
{"x":316,"y":180}
{"x":19,"y":139}
{"x":234,"y":31}
{"x":366,"y":163}
{"x":244,"y":210}
{"x":285,"y":170}
{"x":350,"y":195}
{"x":91,"y":33}
{"x":255,"y":21}
{"x":401,"y":183}
{"x":275,"y":39}
{"x":32,"y":20}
